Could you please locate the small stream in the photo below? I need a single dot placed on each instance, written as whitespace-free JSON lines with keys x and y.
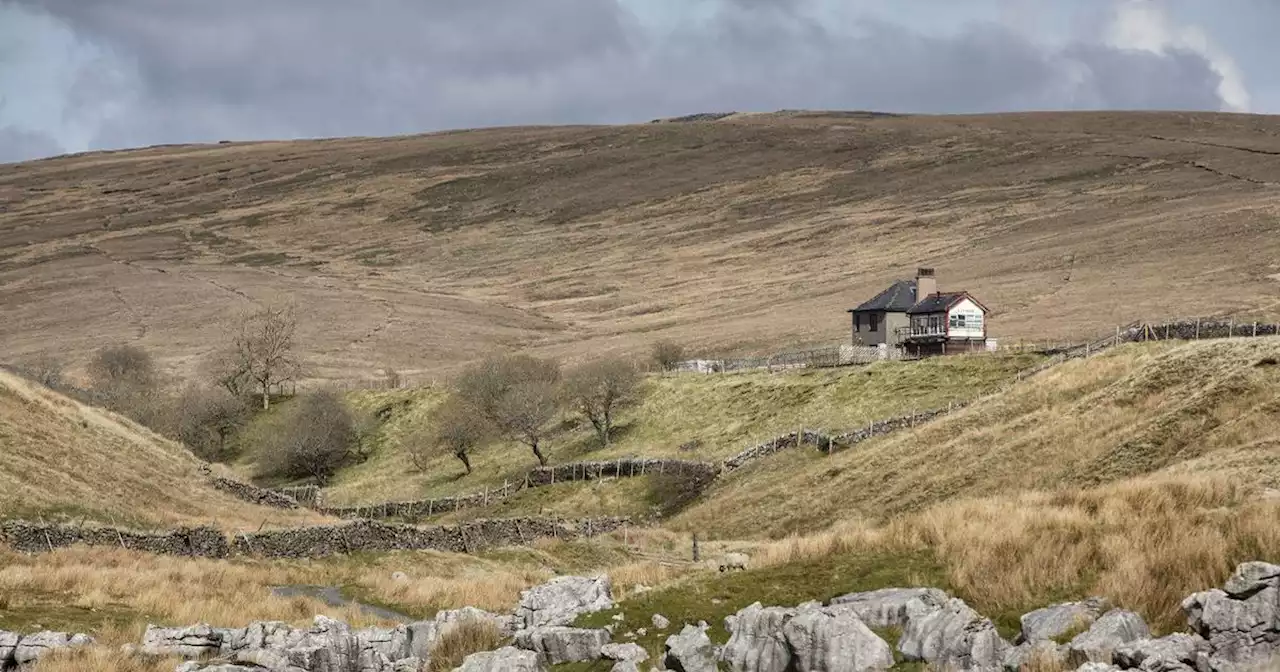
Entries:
{"x":334,"y":598}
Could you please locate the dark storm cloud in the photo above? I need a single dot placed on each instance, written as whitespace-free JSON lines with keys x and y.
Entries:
{"x":200,"y":71}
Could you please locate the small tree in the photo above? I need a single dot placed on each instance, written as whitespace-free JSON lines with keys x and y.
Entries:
{"x":124,"y":379}
{"x":599,"y":389}
{"x":515,"y":395}
{"x":228,"y":370}
{"x":314,"y":439}
{"x":264,"y":345}
{"x":45,"y":370}
{"x":667,"y":354}
{"x":207,"y":419}
{"x":458,"y":429}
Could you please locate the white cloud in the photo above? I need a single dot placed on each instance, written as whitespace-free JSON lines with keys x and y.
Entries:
{"x":1145,"y":25}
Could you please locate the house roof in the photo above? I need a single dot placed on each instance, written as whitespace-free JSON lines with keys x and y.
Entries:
{"x":941,"y":302}
{"x":898,"y":298}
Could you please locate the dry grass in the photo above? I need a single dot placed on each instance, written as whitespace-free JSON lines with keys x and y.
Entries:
{"x":461,"y":641}
{"x":755,"y":232}
{"x":66,"y":460}
{"x":1190,"y":408}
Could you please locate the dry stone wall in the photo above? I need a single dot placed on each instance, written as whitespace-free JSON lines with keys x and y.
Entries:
{"x":307,"y":542}
{"x":620,"y":468}
{"x":254,"y":494}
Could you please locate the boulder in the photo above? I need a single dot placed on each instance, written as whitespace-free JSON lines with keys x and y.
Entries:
{"x":1240,"y":632}
{"x":391,"y":643}
{"x":1251,"y":578}
{"x":1097,"y":667}
{"x":1060,"y":619}
{"x":506,"y":659}
{"x":891,"y":607}
{"x":560,"y":644}
{"x":690,"y":651}
{"x":196,"y":641}
{"x":31,"y":648}
{"x":1173,"y":653}
{"x":1112,"y":629}
{"x":827,"y":640}
{"x":410,"y":664}
{"x":660,"y":622}
{"x":953,"y":636}
{"x":625,"y":666}
{"x":759,"y":643}
{"x":628,"y":651}
{"x":507,"y":624}
{"x":8,"y":642}
{"x":562,"y":599}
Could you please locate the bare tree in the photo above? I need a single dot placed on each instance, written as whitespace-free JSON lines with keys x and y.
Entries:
{"x":264,"y":348}
{"x":124,"y":379}
{"x":458,"y":429}
{"x":599,"y":389}
{"x":44,"y":369}
{"x":207,"y":419}
{"x":515,"y":394}
{"x":314,"y":439}
{"x":667,"y":354}
{"x":391,"y":378}
{"x":229,"y":371}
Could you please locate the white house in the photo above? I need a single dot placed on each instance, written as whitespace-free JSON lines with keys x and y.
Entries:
{"x":946,"y":323}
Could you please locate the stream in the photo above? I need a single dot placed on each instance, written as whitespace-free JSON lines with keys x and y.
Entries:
{"x":334,"y":598}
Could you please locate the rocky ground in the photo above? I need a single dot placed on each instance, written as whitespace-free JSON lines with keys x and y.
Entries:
{"x":1232,"y":629}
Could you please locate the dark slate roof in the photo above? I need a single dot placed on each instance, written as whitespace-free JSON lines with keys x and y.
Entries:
{"x":900,"y":296}
{"x":937,"y":303}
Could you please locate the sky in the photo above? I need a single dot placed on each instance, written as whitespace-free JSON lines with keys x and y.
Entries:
{"x":77,"y":75}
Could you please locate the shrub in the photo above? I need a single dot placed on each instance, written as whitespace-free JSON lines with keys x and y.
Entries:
{"x":314,"y":439}
{"x":124,"y":379}
{"x":207,"y":419}
{"x":667,"y":354}
{"x":461,"y":640}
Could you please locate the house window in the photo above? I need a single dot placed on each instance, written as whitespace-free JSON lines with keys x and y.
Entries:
{"x":857,"y":322}
{"x":957,"y":321}
{"x":874,"y":322}
{"x":934,"y":324}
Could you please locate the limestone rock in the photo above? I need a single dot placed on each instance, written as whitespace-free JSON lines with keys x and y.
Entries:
{"x":410,"y":664}
{"x":506,"y":659}
{"x":1251,"y":578}
{"x":759,"y":643}
{"x":1173,"y":653}
{"x":827,"y":640}
{"x":506,"y":624}
{"x":891,"y":607}
{"x":8,"y":642}
{"x":1060,"y":619}
{"x":1240,"y":632}
{"x":196,"y":641}
{"x":560,"y":644}
{"x":690,"y":651}
{"x":562,"y":599}
{"x":660,"y":622}
{"x":1112,"y":629}
{"x":625,"y":666}
{"x":31,"y":648}
{"x":1036,"y":655}
{"x":628,"y":651}
{"x":953,"y":636}
{"x":1097,"y":667}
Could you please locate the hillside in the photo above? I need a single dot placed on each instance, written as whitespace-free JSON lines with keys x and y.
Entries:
{"x":682,"y":416}
{"x":60,"y":459}
{"x":1205,"y":410}
{"x":750,"y":233}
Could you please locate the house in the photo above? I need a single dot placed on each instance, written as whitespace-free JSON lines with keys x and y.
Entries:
{"x":915,"y":316}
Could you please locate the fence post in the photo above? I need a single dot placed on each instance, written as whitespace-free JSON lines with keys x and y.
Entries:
{"x":1197,"y":329}
{"x":1117,"y":341}
{"x":1231,"y":328}
{"x":1255,"y":328}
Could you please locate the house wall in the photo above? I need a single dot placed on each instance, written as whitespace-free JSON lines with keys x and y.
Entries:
{"x":886,"y":328}
{"x":971,"y":315}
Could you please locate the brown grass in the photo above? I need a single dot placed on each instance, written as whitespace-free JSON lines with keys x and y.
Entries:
{"x":462,"y":640}
{"x":65,"y":460}
{"x":752,"y":233}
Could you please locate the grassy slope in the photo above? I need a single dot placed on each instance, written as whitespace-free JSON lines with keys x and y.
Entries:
{"x":62,"y":459}
{"x":1186,"y":408}
{"x":752,"y":233}
{"x":723,"y":414}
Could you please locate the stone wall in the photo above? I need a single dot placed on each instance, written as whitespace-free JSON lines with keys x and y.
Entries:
{"x":620,"y":468}
{"x":307,"y":542}
{"x":254,"y":494}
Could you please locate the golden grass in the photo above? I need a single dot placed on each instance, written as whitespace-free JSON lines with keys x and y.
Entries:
{"x":1141,"y":409}
{"x":66,"y":460}
{"x":720,"y":414}
{"x":462,"y":640}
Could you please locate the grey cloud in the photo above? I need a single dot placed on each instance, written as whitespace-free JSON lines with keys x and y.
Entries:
{"x":20,"y":145}
{"x":201,"y":71}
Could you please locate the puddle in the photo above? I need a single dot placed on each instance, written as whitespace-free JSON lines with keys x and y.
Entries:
{"x":334,"y":598}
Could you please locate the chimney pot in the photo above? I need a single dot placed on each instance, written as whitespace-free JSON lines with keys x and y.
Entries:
{"x":926,"y":283}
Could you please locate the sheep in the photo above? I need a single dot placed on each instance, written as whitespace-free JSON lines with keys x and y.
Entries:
{"x":733,"y":561}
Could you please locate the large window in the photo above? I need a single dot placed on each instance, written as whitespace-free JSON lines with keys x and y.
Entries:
{"x":957,"y":321}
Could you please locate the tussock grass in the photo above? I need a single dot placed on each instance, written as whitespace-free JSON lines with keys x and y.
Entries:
{"x":69,"y":461}
{"x":462,"y":640}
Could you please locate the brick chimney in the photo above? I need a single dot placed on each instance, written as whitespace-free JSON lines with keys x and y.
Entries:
{"x":926,"y":284}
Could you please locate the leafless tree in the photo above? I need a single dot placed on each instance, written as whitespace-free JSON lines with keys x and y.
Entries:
{"x":515,"y":394}
{"x":599,"y":389}
{"x":44,"y":369}
{"x":314,"y":439}
{"x":391,"y":378}
{"x":207,"y":419}
{"x":458,"y":428}
{"x":264,"y":348}
{"x":229,"y":371}
{"x":124,"y":379}
{"x":667,"y":354}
